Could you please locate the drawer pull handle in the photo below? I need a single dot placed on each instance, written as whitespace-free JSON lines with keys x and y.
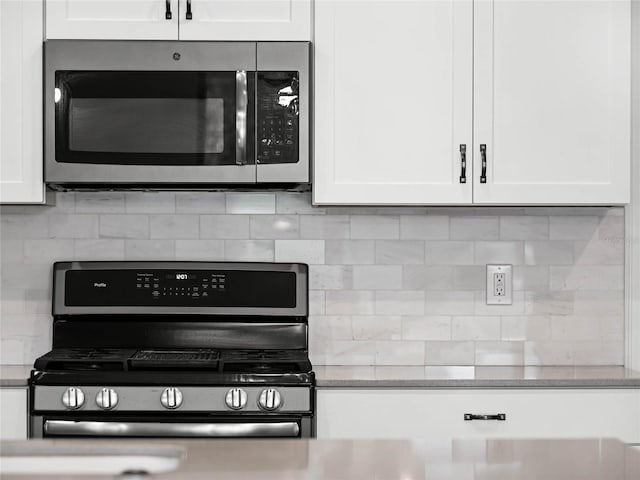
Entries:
{"x":189,"y":15}
{"x":167,"y":13}
{"x":497,"y":416}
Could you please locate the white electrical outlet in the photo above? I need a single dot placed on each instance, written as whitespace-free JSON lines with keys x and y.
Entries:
{"x":499,"y":285}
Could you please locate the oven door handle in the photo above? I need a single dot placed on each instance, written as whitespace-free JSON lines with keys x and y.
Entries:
{"x":159,"y":429}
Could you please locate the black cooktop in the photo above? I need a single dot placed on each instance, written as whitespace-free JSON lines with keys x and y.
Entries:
{"x":210,"y":360}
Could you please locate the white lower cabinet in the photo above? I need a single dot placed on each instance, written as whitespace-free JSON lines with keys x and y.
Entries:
{"x":438,"y":414}
{"x":13,"y":413}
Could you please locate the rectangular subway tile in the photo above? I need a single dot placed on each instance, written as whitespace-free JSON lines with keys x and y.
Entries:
{"x":274,"y":226}
{"x":150,"y":250}
{"x":249,"y":250}
{"x":324,"y":227}
{"x":499,"y":253}
{"x":99,"y":202}
{"x":349,"y":302}
{"x":449,"y":253}
{"x":573,"y":227}
{"x":403,"y":302}
{"x":450,"y":353}
{"x":549,"y":303}
{"x":99,"y":249}
{"x":174,"y":226}
{"x":370,"y":327}
{"x":427,"y":277}
{"x":150,"y":202}
{"x":375,"y":227}
{"x":349,"y":252}
{"x":377,"y":277}
{"x":330,"y":277}
{"x":251,"y":203}
{"x":475,"y":228}
{"x":73,"y":226}
{"x":296,"y":203}
{"x":499,"y":353}
{"x":530,"y":327}
{"x":124,"y":226}
{"x":224,"y":226}
{"x":303,"y":251}
{"x":548,"y":253}
{"x":400,"y":353}
{"x":426,"y":327}
{"x":200,"y":250}
{"x":200,"y":202}
{"x":587,"y":277}
{"x":475,"y":328}
{"x":424,"y":227}
{"x":399,"y":252}
{"x":523,"y":227}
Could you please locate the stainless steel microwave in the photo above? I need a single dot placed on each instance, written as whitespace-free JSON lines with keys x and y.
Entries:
{"x":164,"y":114}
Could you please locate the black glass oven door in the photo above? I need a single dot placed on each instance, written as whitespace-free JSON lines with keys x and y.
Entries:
{"x":154,"y":118}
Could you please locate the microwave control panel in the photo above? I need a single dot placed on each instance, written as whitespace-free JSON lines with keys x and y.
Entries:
{"x":278,"y":111}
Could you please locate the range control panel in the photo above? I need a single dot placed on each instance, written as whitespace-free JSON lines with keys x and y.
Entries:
{"x":205,"y":288}
{"x":181,"y":284}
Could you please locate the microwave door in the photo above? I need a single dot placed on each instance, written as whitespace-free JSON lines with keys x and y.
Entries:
{"x":127,"y":123}
{"x":283,"y":113}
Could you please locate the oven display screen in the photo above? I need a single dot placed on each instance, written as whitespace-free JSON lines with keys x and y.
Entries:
{"x":180,"y":276}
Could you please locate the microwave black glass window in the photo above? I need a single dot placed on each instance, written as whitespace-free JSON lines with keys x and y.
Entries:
{"x":278,"y":115}
{"x":152,"y":118}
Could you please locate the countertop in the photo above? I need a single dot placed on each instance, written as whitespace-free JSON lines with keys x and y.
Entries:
{"x":436,"y":377}
{"x":475,"y":377}
{"x":584,"y":459}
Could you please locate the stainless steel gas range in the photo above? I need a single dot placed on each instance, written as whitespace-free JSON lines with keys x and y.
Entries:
{"x":176,"y":349}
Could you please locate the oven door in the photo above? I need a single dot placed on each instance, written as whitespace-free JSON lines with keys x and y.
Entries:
{"x":149,"y":112}
{"x":221,"y":426}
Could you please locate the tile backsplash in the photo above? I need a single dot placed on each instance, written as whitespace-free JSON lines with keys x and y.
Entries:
{"x":389,"y":286}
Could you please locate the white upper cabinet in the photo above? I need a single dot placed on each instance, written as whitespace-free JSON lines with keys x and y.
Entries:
{"x":21,"y":102}
{"x":246,"y":20}
{"x":179,"y":19}
{"x":543,"y":85}
{"x":552,"y":101}
{"x":393,"y":105}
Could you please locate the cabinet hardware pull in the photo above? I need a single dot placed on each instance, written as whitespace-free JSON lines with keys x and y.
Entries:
{"x":463,"y":163}
{"x":497,"y":416}
{"x":189,"y":15}
{"x":483,"y":174}
{"x":167,"y":14}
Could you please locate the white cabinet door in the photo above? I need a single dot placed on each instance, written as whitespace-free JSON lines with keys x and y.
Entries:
{"x":246,"y":20}
{"x":393,"y":85}
{"x":552,"y":101}
{"x":21,"y":102}
{"x":112,"y":19}
{"x":13,"y":410}
{"x":439,"y":414}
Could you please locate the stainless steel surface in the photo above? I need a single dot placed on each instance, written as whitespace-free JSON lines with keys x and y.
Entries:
{"x":159,"y":429}
{"x":73,"y":398}
{"x":242,"y":100}
{"x":159,"y":56}
{"x":144,"y":398}
{"x":290,"y":56}
{"x":171,"y":398}
{"x":270,"y":399}
{"x":300,"y":309}
{"x":107,"y":398}
{"x":236,"y":399}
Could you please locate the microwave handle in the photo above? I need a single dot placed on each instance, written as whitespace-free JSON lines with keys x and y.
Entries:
{"x":242,"y":95}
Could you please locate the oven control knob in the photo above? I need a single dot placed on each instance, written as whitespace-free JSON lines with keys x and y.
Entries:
{"x":171,"y":398}
{"x":270,"y":399}
{"x":236,"y":399}
{"x":73,"y":398}
{"x":107,"y":398}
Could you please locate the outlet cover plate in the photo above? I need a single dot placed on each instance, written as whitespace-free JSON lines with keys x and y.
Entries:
{"x":498,"y":293}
